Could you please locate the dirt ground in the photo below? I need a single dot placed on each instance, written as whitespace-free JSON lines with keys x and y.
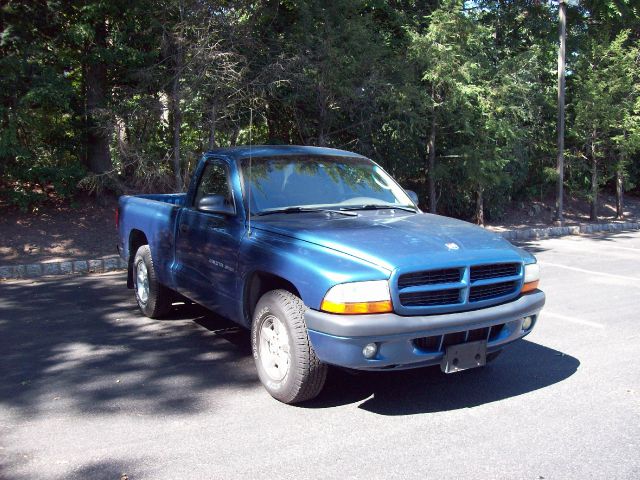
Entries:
{"x":539,"y":214}
{"x":57,"y":233}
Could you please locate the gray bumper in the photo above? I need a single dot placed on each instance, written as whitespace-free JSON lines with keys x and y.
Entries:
{"x":392,"y":324}
{"x":339,"y":339}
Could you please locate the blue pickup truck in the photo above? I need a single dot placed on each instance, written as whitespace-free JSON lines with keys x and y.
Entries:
{"x":328,"y":261}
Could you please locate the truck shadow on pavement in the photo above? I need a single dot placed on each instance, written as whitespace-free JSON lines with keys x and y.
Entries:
{"x":521,"y":368}
{"x":539,"y":246}
{"x":80,"y":344}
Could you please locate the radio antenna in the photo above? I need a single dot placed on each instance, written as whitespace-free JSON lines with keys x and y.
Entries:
{"x":250,"y":177}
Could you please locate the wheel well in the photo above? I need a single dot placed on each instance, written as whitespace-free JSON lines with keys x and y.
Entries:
{"x":137,"y":238}
{"x":260,"y":283}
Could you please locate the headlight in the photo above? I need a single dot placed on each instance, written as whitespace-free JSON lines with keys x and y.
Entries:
{"x":358,"y":297}
{"x":531,"y":277}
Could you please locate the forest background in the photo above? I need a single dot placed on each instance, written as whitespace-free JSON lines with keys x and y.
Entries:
{"x":457,"y":99}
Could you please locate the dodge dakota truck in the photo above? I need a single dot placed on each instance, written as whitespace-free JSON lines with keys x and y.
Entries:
{"x":328,"y":261}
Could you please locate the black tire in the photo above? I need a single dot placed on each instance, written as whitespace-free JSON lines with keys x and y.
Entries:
{"x":158,"y":298}
{"x":306,"y":374}
{"x":493,"y":355}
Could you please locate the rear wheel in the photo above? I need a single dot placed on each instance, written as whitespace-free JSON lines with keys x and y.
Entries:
{"x":154,"y":299}
{"x":286,"y":361}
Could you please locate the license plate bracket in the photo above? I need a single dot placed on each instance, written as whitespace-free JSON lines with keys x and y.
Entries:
{"x":464,"y":356}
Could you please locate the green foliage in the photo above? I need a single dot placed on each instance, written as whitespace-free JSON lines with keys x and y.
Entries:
{"x":607,"y":121}
{"x":30,"y":187}
{"x":166,"y":80}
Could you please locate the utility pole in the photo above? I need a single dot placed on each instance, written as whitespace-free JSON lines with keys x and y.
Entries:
{"x":562,"y":28}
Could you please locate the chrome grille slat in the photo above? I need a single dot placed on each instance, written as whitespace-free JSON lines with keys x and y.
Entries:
{"x":483,"y":272}
{"x":495,"y":290}
{"x":430,"y":277}
{"x":437,"y":297}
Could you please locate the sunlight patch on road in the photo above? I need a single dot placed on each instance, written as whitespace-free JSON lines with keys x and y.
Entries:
{"x":594,"y":272}
{"x":580,"y":321}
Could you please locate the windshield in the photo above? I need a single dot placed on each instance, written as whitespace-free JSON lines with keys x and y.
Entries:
{"x":319,"y":182}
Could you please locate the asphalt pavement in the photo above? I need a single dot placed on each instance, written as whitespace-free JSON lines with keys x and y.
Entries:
{"x":90,"y":389}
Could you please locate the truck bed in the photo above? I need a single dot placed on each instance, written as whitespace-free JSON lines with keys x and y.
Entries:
{"x":155,"y":217}
{"x":172,"y":198}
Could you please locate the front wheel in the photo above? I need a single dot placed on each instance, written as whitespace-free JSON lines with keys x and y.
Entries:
{"x":286,"y":361}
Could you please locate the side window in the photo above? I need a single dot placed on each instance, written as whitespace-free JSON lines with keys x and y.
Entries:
{"x":214,"y":181}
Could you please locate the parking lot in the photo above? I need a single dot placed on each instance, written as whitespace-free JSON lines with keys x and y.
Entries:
{"x":92,"y":390}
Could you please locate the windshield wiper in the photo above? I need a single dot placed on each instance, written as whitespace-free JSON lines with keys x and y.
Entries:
{"x":305,"y":210}
{"x":374,"y":206}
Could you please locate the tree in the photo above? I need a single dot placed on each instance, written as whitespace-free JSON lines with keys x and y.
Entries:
{"x":606,"y":88}
{"x":444,"y":54}
{"x":562,"y":15}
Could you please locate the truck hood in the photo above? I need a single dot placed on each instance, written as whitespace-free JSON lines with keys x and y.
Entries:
{"x":397,"y":240}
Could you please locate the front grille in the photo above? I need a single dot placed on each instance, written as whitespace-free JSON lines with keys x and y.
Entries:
{"x":438,"y":343}
{"x":431,"y":277}
{"x":453,"y":289}
{"x":487,"y":292}
{"x":428,"y":299}
{"x":483,"y":272}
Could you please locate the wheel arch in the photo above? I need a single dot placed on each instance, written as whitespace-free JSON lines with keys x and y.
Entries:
{"x":137,"y":238}
{"x":257,"y":284}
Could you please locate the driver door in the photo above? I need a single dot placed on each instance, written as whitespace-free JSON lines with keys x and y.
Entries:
{"x":207,"y":243}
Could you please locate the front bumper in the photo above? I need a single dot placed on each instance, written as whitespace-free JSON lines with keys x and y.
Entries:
{"x":411,"y":342}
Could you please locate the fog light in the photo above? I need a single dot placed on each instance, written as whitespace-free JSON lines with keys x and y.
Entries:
{"x":527,"y":323}
{"x":370,"y":350}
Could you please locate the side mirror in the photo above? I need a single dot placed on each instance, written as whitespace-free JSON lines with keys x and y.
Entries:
{"x":215,"y":204}
{"x":413,"y":196}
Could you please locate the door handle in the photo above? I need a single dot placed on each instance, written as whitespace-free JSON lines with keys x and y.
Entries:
{"x":184,"y":228}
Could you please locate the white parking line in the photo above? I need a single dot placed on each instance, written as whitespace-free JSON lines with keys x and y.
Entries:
{"x":593,"y":272}
{"x":580,"y":244}
{"x":579,"y":321}
{"x":628,"y":249}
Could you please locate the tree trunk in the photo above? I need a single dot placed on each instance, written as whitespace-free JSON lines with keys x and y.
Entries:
{"x":594,"y":181}
{"x":479,"y":216}
{"x":212,"y":127}
{"x":431,"y":146}
{"x":176,"y":111}
{"x":129,"y":164}
{"x":559,"y":215}
{"x":322,"y":115}
{"x":98,"y":130}
{"x":619,"y":192}
{"x":272,"y":136}
{"x":235,"y":135}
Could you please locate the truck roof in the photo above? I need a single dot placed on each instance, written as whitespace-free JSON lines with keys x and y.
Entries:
{"x":278,"y":150}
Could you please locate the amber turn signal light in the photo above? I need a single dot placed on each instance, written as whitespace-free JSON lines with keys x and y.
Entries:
{"x":356,"y":308}
{"x":529,"y":287}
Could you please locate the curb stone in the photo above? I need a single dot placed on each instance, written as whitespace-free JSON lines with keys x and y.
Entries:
{"x":35,"y":270}
{"x":114,"y":262}
{"x":538,"y":233}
